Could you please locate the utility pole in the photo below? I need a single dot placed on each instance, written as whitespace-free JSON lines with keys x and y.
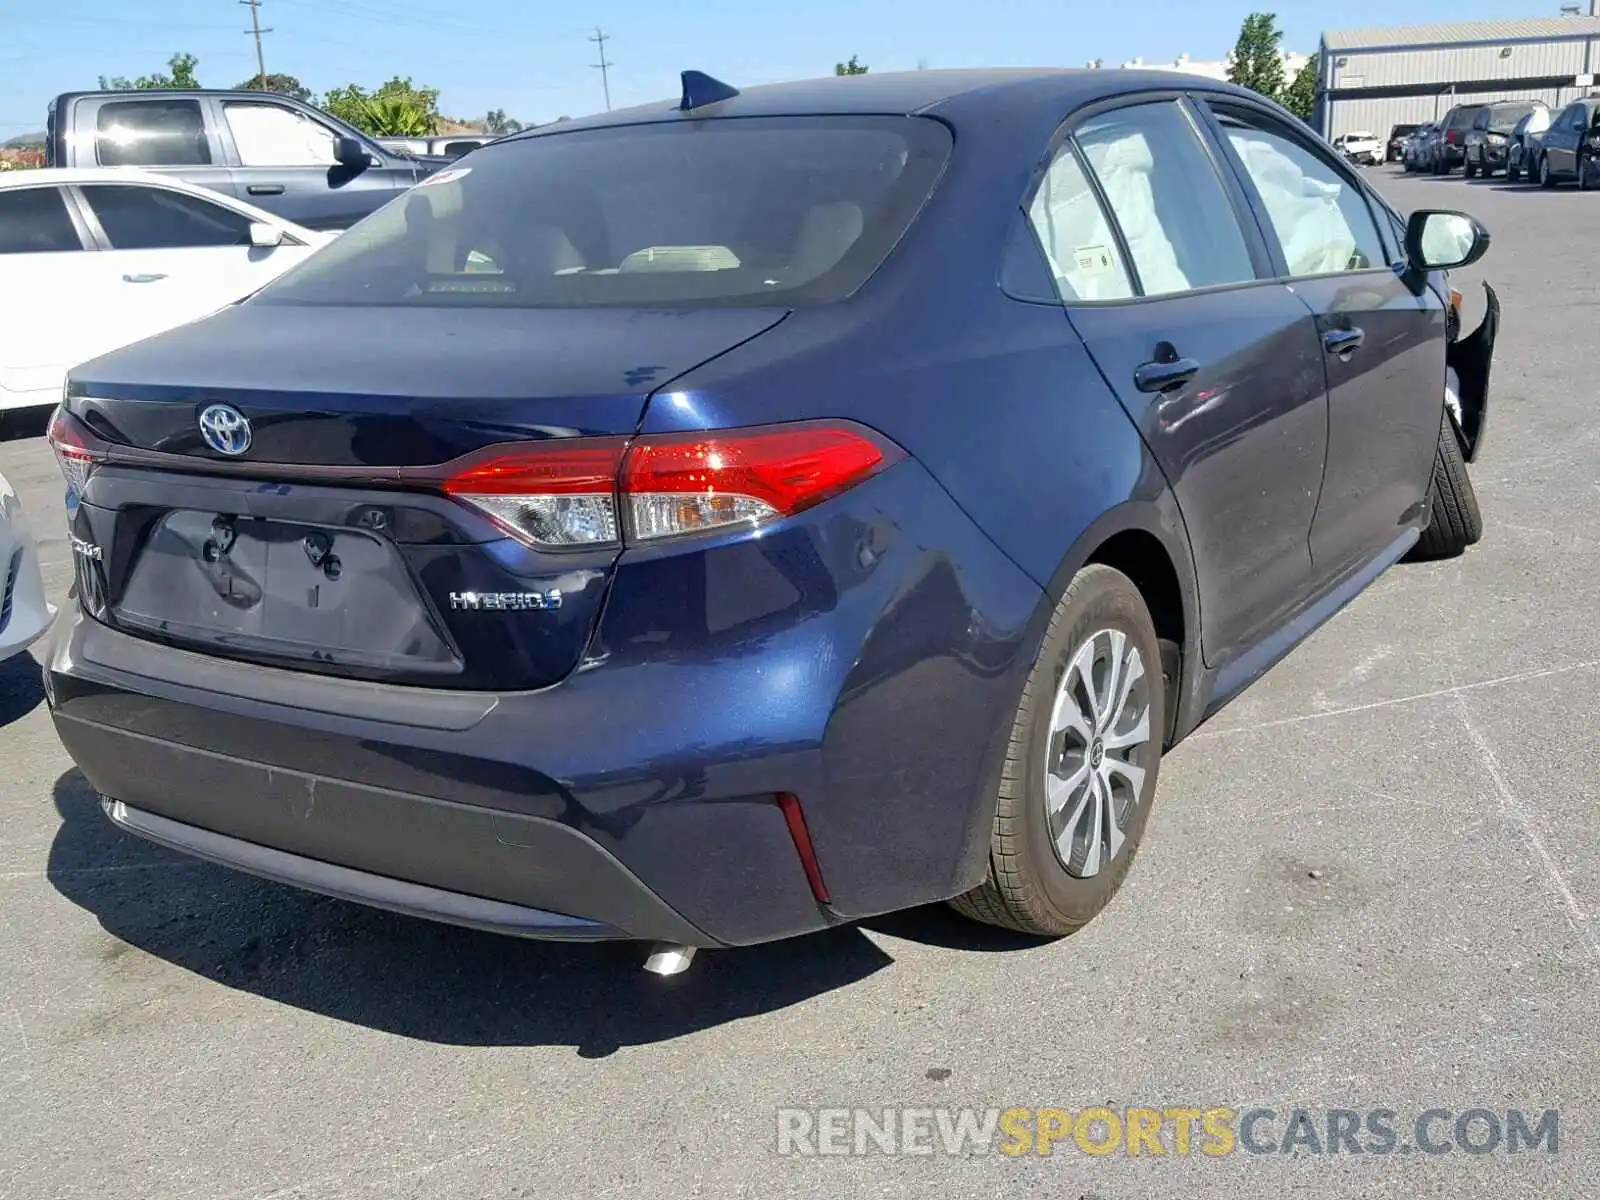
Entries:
{"x":600,"y":39}
{"x":255,"y":28}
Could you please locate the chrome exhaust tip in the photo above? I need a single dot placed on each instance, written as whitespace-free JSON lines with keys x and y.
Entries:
{"x":669,"y":958}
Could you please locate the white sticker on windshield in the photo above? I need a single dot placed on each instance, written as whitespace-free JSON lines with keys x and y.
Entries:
{"x":445,"y":176}
{"x":1092,"y":260}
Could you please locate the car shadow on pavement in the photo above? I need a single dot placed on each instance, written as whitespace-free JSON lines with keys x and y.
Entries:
{"x":21,"y":687}
{"x":24,"y":423}
{"x":417,"y":978}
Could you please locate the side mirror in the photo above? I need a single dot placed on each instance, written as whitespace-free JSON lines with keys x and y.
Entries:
{"x":1439,"y":240}
{"x":264,"y":236}
{"x":350,"y":153}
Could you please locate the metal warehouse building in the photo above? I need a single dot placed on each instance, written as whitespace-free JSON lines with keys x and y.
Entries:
{"x":1374,"y":79}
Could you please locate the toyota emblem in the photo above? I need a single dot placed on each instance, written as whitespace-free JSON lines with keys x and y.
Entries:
{"x":225,"y":429}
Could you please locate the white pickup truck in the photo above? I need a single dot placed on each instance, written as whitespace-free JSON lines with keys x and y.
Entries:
{"x":1361,"y":148}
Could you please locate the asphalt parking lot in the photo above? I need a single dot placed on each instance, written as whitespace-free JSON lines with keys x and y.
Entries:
{"x":1370,"y":884}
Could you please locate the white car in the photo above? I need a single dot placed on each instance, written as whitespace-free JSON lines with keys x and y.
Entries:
{"x":92,"y":259}
{"x":1360,"y":147}
{"x":24,"y":615}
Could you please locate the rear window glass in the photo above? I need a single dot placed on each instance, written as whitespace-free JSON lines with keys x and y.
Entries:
{"x":1503,"y":118}
{"x":731,"y":211}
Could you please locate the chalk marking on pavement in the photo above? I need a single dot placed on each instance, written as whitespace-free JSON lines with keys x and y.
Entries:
{"x":1524,"y":820}
{"x":1519,"y":677}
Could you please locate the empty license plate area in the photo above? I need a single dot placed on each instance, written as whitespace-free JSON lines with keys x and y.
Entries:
{"x":333,"y":597}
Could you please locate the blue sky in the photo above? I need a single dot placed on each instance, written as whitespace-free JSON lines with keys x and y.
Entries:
{"x":531,"y":58}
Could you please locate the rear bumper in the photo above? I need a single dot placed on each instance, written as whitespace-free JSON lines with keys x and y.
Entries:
{"x":634,"y":904}
{"x":865,"y":664}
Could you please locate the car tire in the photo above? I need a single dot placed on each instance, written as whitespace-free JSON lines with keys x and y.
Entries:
{"x":1030,"y":887}
{"x":1456,"y":522}
{"x":1584,"y":184}
{"x":1546,"y":179}
{"x":1513,"y":174}
{"x":1468,"y":170}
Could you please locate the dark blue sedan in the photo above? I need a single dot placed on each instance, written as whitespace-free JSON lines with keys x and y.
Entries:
{"x":724,"y":519}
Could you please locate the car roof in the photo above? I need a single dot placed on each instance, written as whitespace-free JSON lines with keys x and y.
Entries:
{"x":68,"y":176}
{"x":954,"y":94}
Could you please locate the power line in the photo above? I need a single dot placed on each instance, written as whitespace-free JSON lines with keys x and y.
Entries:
{"x":255,"y":28}
{"x":600,"y":38}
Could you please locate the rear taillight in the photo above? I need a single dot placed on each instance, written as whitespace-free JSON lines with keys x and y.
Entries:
{"x":1450,"y":137}
{"x":603,"y":491}
{"x":687,"y":483}
{"x":72,"y":451}
{"x":560,"y":495}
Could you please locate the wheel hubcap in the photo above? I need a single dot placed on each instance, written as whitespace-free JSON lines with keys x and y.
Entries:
{"x":1099,"y":750}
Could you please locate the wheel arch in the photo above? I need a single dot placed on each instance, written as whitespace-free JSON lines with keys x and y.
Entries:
{"x":1147,"y":542}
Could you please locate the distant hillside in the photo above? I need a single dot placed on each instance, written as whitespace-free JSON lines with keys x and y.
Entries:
{"x":25,"y":141}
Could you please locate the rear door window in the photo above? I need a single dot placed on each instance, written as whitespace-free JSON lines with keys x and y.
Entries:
{"x":35,"y":220}
{"x":1077,"y":239}
{"x":1169,"y":202}
{"x":786,"y":210}
{"x":151,"y":133}
{"x":154,"y":218}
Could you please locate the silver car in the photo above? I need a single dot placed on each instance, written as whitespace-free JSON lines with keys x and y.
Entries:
{"x":24,"y":615}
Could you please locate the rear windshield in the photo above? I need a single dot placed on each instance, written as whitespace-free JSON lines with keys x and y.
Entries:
{"x":732,"y":211}
{"x":1463,"y":117}
{"x":1503,"y":118}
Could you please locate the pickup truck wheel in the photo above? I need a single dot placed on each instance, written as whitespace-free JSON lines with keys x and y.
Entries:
{"x":1080,"y":771}
{"x":1456,"y":521}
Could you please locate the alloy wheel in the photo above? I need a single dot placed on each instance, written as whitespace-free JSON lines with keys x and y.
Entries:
{"x":1100,"y":740}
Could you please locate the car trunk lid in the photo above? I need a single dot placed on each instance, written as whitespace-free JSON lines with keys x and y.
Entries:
{"x":330,"y":542}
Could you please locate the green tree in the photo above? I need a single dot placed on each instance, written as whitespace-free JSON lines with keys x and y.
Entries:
{"x":849,"y":68}
{"x":497,"y":123}
{"x":181,"y":68}
{"x":284,"y":85}
{"x":1300,"y":97}
{"x":397,"y":109}
{"x":1257,"y":61}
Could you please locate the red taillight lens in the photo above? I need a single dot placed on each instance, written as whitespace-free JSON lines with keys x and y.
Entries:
{"x":1450,"y":137}
{"x":564,"y":494}
{"x":561,"y":496}
{"x":686,"y":483}
{"x":73,"y":456}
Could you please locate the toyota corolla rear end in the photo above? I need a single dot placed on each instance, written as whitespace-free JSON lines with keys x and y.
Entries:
{"x":388,"y":585}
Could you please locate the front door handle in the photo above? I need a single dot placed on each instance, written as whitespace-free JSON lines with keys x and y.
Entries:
{"x":1165,"y":376}
{"x":1343,"y":342}
{"x":149,"y":278}
{"x":264,"y":189}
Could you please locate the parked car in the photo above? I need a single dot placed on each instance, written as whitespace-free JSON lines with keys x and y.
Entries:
{"x":1361,"y":148}
{"x":1527,"y":137}
{"x":1449,"y":150}
{"x":448,"y":146}
{"x":95,"y":258}
{"x":270,"y":150}
{"x":24,"y":613}
{"x":1567,"y":147}
{"x":1414,"y":156}
{"x":718,"y":580}
{"x":1394,"y":151}
{"x":1488,"y":142}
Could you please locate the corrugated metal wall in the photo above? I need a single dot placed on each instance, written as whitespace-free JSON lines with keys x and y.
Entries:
{"x":1453,"y":64}
{"x":1381,"y":115}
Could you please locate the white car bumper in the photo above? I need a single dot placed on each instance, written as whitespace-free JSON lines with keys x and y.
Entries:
{"x":24,"y":614}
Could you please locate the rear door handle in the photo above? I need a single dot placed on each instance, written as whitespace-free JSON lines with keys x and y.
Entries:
{"x":1343,"y":342}
{"x":1165,"y":376}
{"x":264,"y":189}
{"x":149,"y":278}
